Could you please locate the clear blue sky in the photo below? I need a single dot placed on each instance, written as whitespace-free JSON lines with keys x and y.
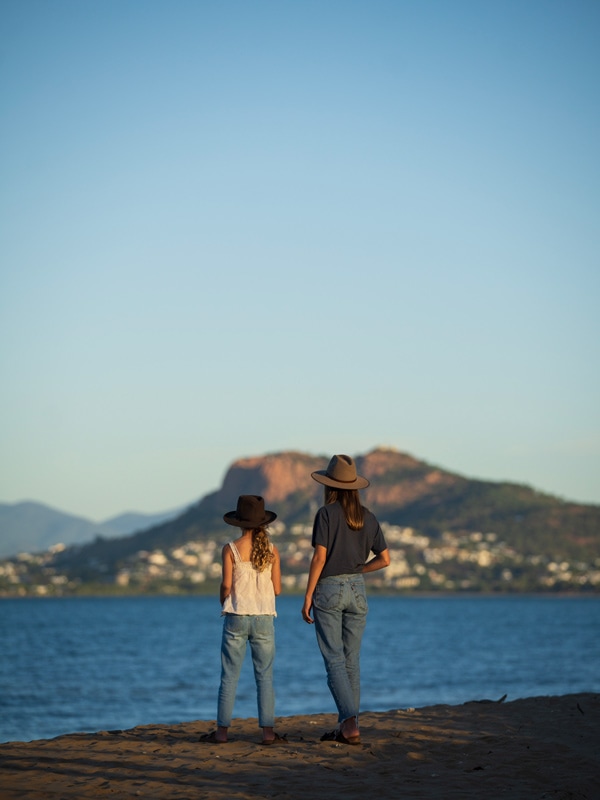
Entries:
{"x":233,"y":228}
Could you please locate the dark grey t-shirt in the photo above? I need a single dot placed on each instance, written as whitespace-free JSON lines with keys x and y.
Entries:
{"x":347,"y":550}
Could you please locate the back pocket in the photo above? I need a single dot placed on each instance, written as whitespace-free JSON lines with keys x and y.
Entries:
{"x":328,"y":596}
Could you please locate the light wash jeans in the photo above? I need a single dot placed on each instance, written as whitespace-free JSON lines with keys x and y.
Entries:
{"x":259,"y":631}
{"x":340,"y":615}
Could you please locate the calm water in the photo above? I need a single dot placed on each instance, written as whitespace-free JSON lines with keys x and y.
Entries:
{"x":89,"y":664}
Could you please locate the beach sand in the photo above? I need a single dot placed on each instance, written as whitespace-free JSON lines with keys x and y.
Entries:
{"x":541,"y":747}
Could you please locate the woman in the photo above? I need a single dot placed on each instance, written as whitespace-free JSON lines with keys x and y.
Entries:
{"x":344,"y":535}
{"x":251,"y":580}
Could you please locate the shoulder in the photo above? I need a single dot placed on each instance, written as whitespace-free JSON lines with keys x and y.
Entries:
{"x":328,"y":511}
{"x":372,"y":526}
{"x":324,"y":517}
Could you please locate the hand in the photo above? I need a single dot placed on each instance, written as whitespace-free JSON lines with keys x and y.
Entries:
{"x":306,"y":609}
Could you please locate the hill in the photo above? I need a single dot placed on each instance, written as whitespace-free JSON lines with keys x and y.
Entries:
{"x":446,"y":532}
{"x":32,"y":527}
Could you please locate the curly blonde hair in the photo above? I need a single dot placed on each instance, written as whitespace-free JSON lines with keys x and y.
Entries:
{"x":261,"y":555}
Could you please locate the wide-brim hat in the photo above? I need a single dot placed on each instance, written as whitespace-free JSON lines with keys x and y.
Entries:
{"x":250,"y":513}
{"x":340,"y":474}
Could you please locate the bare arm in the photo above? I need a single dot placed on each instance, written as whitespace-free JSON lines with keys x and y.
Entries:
{"x":276,"y":571}
{"x":316,"y":568}
{"x":227,"y":578}
{"x":380,"y":561}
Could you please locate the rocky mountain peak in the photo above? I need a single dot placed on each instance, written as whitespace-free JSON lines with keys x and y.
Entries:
{"x":395,"y":477}
{"x":275,"y":476}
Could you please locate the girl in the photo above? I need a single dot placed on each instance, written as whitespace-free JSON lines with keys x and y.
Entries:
{"x":344,"y":534}
{"x":251,"y":580}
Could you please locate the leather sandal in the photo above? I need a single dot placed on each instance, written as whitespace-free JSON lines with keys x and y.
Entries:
{"x":276,"y":740}
{"x":211,"y":738}
{"x":339,"y":737}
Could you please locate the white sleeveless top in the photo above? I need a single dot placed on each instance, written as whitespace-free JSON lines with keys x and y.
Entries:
{"x":252,"y":591}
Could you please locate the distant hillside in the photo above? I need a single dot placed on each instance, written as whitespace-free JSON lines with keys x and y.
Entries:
{"x":131,"y":521}
{"x":404,"y":491}
{"x":33,"y":527}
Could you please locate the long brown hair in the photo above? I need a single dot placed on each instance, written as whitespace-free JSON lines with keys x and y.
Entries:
{"x":261,"y":554}
{"x":349,"y":499}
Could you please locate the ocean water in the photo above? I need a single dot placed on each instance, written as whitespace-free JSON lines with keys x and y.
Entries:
{"x":88,"y":664}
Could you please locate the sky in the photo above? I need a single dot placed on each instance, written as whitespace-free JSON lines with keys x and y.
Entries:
{"x":235,"y":228}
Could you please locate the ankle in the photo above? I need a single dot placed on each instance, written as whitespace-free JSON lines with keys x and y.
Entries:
{"x":221,"y":733}
{"x":349,"y":726}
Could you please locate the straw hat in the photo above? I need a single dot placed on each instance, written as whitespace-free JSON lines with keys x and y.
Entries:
{"x":250,"y":513}
{"x":340,"y":474}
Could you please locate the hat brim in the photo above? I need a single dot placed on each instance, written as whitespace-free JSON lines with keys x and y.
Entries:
{"x":231,"y":518}
{"x":321,"y":476}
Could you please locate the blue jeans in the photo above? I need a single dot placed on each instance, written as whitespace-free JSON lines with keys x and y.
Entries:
{"x":340,"y":615}
{"x":259,"y":631}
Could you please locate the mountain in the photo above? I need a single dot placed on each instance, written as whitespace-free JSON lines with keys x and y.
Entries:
{"x":33,"y":527}
{"x":404,"y":491}
{"x":131,"y":521}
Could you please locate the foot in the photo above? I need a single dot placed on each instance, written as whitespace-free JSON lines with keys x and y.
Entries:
{"x":349,"y":729}
{"x":221,"y":734}
{"x":339,"y":737}
{"x":215,"y":737}
{"x":268,"y":736}
{"x":277,"y":739}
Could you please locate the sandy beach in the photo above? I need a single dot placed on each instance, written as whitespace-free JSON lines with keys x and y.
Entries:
{"x":542,"y":747}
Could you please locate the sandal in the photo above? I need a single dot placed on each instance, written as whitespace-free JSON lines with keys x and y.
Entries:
{"x":211,"y":738}
{"x":338,"y":736}
{"x":276,"y":740}
{"x":329,"y":736}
